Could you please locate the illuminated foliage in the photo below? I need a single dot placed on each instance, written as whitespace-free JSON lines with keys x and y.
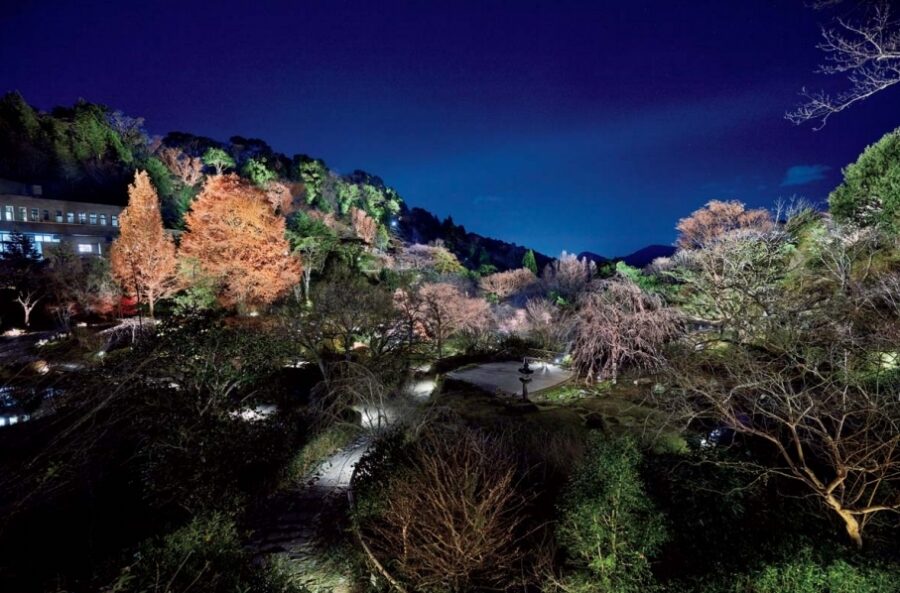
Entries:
{"x":218,"y":159}
{"x":444,"y":310}
{"x":143,"y":256}
{"x":870,"y":192}
{"x":530,"y":262}
{"x":717,"y":218}
{"x":257,"y":172}
{"x":609,"y":527}
{"x":619,"y":325}
{"x":507,"y":284}
{"x":364,"y":226}
{"x":239,"y":241}
{"x":568,"y":276}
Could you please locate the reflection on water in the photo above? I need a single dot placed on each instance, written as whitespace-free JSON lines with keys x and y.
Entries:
{"x":20,"y":404}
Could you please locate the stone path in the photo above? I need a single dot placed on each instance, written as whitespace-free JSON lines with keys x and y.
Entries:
{"x":304,"y":522}
{"x":503,"y":377}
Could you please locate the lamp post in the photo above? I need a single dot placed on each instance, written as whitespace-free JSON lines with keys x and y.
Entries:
{"x":526,"y":373}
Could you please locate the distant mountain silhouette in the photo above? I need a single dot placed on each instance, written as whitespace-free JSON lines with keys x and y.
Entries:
{"x":646,"y":255}
{"x":640,"y":258}
{"x":597,"y":259}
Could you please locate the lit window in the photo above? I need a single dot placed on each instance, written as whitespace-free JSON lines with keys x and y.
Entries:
{"x":115,"y":220}
{"x":85,"y":248}
{"x":23,"y":213}
{"x":70,"y":217}
{"x":103,"y":220}
{"x":35,"y":213}
{"x":9,"y":212}
{"x":59,"y":216}
{"x":82,"y":218}
{"x":93,"y":218}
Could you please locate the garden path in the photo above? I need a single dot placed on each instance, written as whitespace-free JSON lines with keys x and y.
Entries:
{"x":503,"y":377}
{"x":303,"y":523}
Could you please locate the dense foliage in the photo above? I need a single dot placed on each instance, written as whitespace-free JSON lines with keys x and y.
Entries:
{"x":731,"y":425}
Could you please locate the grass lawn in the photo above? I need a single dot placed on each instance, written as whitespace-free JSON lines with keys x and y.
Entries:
{"x":568,"y":409}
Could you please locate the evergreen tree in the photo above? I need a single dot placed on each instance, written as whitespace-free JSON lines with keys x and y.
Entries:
{"x":530,"y":262}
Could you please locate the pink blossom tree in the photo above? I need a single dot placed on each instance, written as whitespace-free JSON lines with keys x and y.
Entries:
{"x":620,"y":325}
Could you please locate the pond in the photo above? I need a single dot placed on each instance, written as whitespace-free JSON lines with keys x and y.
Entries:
{"x":21,"y":404}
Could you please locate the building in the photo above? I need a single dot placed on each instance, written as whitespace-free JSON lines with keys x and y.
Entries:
{"x":88,"y":228}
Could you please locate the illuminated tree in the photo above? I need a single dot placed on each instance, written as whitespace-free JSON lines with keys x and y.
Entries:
{"x":240,"y":242}
{"x":609,"y":527}
{"x":830,"y":432}
{"x":20,"y":270}
{"x":279,"y":196}
{"x":717,"y":218}
{"x":547,"y":324}
{"x":364,"y":226}
{"x":568,"y":276}
{"x":445,"y":263}
{"x":143,"y":256}
{"x":870,"y":192}
{"x":451,"y":521}
{"x":188,"y":169}
{"x":257,"y":171}
{"x":506,"y":284}
{"x":619,"y":326}
{"x":315,"y":241}
{"x":81,"y":284}
{"x":445,"y":310}
{"x":734,"y":283}
{"x":530,"y":262}
{"x":428,"y":257}
{"x":218,"y":159}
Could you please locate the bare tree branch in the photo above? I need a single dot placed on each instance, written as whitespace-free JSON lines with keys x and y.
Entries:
{"x":867,"y":53}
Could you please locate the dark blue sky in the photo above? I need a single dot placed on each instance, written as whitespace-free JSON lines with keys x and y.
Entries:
{"x":557,"y":124}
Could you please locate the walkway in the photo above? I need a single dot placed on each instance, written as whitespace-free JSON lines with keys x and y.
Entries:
{"x":303,"y":522}
{"x":503,"y":377}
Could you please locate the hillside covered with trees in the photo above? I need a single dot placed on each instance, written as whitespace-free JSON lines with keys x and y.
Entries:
{"x":89,"y":152}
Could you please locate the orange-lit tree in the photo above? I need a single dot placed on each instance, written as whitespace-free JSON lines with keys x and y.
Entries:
{"x":143,"y":256}
{"x":715,"y":219}
{"x":509,"y":283}
{"x":239,"y":240}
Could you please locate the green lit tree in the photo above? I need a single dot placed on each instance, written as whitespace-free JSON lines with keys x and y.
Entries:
{"x":315,"y":242}
{"x":608,"y":527}
{"x":257,"y":172}
{"x":218,"y":159}
{"x":870,"y":192}
{"x":530,"y":262}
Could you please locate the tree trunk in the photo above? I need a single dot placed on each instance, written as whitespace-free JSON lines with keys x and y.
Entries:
{"x":851,"y":523}
{"x":306,"y":299}
{"x":27,"y":307}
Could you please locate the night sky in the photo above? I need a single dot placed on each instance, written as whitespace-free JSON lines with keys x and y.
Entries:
{"x":559,"y":125}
